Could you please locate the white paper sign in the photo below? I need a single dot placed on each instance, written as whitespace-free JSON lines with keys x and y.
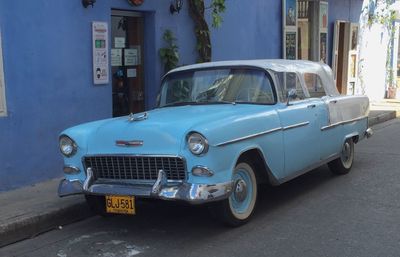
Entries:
{"x":131,"y":57}
{"x":119,"y":42}
{"x":116,"y":57}
{"x":131,"y":73}
{"x":100,"y":52}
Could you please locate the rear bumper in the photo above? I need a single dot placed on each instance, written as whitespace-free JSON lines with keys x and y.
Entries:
{"x":368,"y":133}
{"x":161,"y":189}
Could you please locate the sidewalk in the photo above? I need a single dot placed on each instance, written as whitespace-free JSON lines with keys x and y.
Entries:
{"x":383,"y":110}
{"x":29,"y":211}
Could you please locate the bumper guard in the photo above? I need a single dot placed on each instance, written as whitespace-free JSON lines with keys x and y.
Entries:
{"x":161,"y":189}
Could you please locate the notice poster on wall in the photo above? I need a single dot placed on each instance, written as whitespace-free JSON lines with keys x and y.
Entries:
{"x":323,"y":47}
{"x":290,"y":45}
{"x":131,"y":57}
{"x":323,"y":16}
{"x":116,"y":57}
{"x":100,"y":52}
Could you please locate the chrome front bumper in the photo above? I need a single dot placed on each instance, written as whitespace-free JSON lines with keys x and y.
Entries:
{"x":161,"y":189}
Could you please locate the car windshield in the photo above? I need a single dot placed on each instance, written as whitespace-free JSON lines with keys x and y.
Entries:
{"x":217,"y":86}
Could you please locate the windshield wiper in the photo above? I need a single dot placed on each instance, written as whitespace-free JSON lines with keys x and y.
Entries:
{"x":181,"y":103}
{"x":197,"y":103}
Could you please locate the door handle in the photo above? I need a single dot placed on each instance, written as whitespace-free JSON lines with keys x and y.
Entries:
{"x":333,"y":101}
{"x":311,"y":106}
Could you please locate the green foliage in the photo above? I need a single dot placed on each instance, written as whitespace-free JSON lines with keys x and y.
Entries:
{"x":218,"y":7}
{"x":169,"y":55}
{"x":197,"y":10}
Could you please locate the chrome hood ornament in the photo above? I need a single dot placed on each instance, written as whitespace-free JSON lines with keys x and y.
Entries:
{"x":129,"y":143}
{"x":137,"y":117}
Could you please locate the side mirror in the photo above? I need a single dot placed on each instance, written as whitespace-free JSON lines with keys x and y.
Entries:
{"x":291,"y":94}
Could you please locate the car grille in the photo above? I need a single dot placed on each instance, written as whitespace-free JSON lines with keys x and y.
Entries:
{"x":135,"y":167}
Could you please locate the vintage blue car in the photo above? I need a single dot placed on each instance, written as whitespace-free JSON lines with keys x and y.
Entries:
{"x":220,"y":129}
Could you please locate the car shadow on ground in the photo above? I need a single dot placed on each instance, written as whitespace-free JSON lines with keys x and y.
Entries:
{"x":168,"y":216}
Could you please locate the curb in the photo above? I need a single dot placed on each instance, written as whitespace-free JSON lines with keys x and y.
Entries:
{"x":389,"y":115}
{"x":29,"y":227}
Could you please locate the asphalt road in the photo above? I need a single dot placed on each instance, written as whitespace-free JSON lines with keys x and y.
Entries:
{"x":317,"y":214}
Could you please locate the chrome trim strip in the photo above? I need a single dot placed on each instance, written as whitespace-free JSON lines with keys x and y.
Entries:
{"x":248,"y":137}
{"x":344,"y":122}
{"x":296,"y":125}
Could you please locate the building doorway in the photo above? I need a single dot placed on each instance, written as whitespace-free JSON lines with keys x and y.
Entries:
{"x":345,"y":56}
{"x":127,"y":62}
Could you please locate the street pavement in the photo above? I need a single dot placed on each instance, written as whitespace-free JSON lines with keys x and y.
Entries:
{"x":317,"y":214}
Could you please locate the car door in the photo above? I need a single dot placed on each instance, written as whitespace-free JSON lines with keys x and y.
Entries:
{"x":301,"y":128}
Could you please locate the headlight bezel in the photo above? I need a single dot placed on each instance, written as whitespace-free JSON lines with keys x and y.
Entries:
{"x":191,"y":139}
{"x":65,"y":138}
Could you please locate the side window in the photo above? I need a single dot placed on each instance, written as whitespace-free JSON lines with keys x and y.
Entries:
{"x":3,"y":111}
{"x":314,"y":85}
{"x":287,"y":81}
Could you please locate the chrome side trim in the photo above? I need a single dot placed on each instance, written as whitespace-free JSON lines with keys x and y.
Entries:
{"x":296,"y":125}
{"x":344,"y":122}
{"x":249,"y":137}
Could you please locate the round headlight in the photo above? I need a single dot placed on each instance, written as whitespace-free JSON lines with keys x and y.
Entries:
{"x":67,"y":146}
{"x":197,"y":144}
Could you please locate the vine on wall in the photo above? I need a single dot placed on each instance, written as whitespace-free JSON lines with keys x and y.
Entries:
{"x":197,"y":10}
{"x":169,"y":54}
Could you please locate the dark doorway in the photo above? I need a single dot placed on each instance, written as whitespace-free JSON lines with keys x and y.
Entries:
{"x":127,"y":60}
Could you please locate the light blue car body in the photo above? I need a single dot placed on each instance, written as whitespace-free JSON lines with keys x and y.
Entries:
{"x":291,"y":139}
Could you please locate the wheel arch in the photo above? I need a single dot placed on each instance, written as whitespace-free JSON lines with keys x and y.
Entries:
{"x":256,"y":157}
{"x":354,"y":136}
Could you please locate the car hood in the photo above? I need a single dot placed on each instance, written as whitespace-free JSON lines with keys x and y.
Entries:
{"x":165,"y":129}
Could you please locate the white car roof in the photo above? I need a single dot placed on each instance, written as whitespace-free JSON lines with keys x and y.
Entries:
{"x":277,"y":65}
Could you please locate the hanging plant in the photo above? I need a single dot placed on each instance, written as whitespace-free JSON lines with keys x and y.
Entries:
{"x":196,"y":11}
{"x":169,"y":55}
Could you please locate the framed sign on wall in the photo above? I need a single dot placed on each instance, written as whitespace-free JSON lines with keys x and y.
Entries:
{"x":323,"y":32}
{"x":100,"y":52}
{"x":289,"y":21}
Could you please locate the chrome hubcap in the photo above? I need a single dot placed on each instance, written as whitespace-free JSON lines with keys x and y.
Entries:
{"x":346,"y":152}
{"x":347,"y":155}
{"x":240,"y":191}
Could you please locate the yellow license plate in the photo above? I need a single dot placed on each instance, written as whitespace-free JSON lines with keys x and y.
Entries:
{"x":120,"y":204}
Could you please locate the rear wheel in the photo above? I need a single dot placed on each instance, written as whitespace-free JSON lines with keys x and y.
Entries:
{"x":238,"y":208}
{"x":343,"y":164}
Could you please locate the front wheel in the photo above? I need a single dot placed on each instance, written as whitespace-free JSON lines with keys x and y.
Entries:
{"x":343,"y":164}
{"x":238,"y":208}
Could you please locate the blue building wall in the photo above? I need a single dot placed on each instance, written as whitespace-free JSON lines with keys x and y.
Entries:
{"x":47,"y":53}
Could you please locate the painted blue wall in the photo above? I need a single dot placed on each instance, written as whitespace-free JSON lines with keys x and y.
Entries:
{"x":48,"y":67}
{"x":345,"y":10}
